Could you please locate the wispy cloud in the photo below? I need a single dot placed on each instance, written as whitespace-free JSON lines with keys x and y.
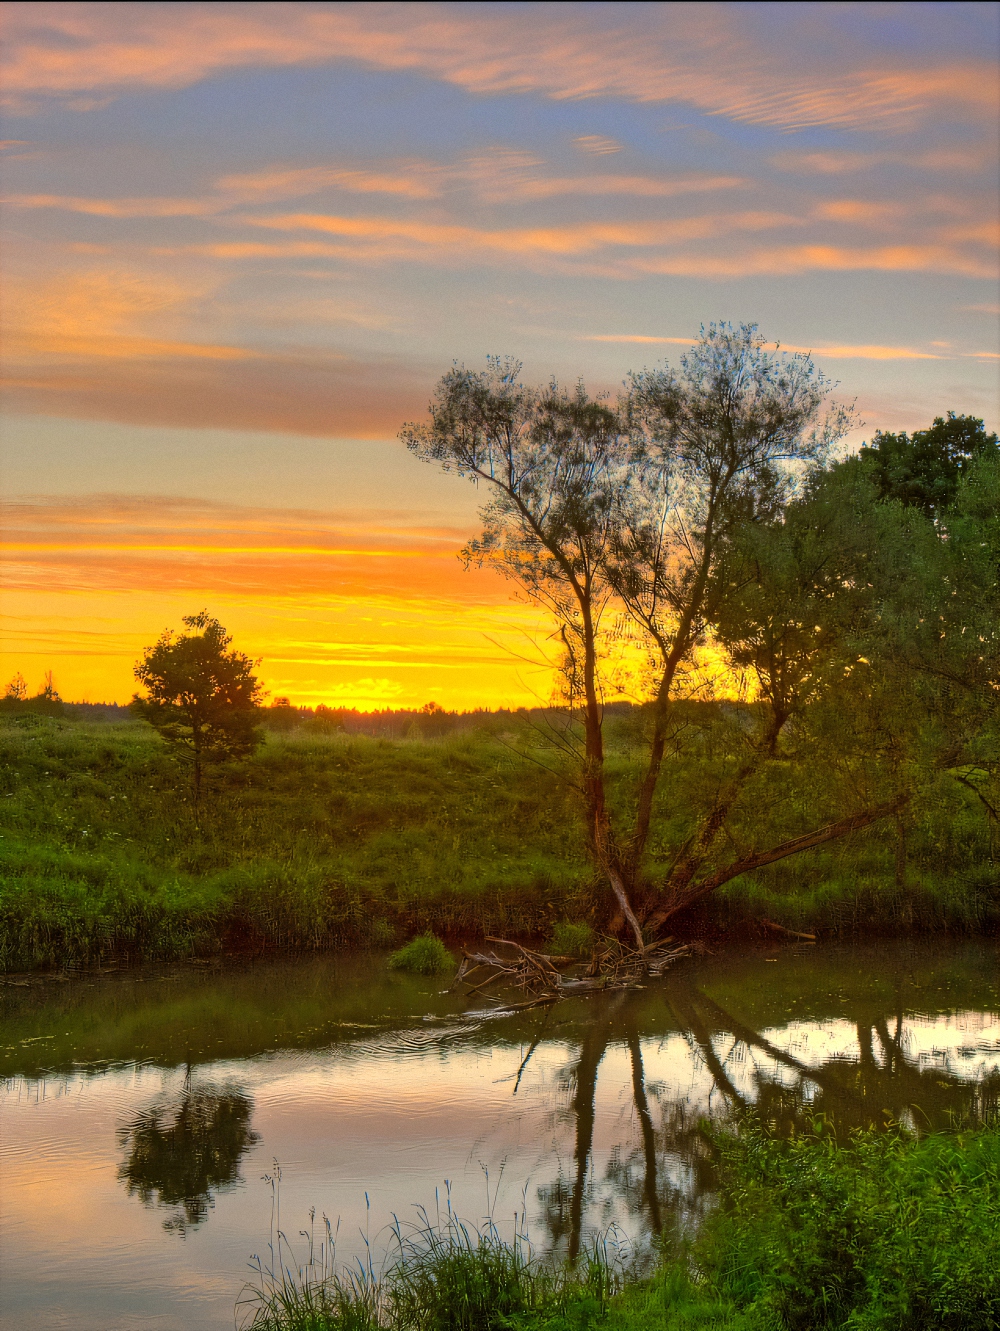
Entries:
{"x":709,"y":56}
{"x":95,"y":315}
{"x":611,"y":250}
{"x":834,"y":162}
{"x":502,"y":176}
{"x":786,"y":260}
{"x":382,"y":236}
{"x":598,"y":145}
{"x":305,"y":393}
{"x":833,"y":353}
{"x":636,"y":337}
{"x":148,"y":543}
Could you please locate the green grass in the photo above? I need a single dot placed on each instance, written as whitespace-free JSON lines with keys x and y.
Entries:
{"x":317,"y":842}
{"x":330,"y":840}
{"x":423,"y":955}
{"x":572,"y":938}
{"x":883,"y":1232}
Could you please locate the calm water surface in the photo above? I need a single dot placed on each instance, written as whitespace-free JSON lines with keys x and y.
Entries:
{"x":141,"y":1109}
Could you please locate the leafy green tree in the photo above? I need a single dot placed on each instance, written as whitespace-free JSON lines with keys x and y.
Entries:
{"x":923,"y":469}
{"x":201,"y":697}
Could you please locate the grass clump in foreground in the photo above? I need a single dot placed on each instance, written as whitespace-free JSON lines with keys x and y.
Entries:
{"x":424,"y":955}
{"x":441,"y":1275}
{"x":881,"y":1233}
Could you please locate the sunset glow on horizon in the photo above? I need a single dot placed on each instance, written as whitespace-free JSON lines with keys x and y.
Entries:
{"x":243,"y":241}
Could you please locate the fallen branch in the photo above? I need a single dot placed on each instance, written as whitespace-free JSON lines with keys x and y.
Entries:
{"x":789,"y":933}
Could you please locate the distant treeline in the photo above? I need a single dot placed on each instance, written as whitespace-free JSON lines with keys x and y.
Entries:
{"x":44,"y":705}
{"x":427,"y":722}
{"x":281,"y":717}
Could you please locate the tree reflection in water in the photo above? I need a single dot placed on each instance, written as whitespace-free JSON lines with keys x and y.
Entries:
{"x":667,"y":1179}
{"x":181,"y":1154}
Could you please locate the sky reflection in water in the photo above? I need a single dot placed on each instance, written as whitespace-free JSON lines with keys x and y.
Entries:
{"x":141,"y":1111}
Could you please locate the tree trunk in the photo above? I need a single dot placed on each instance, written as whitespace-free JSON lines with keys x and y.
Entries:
{"x":757,"y":859}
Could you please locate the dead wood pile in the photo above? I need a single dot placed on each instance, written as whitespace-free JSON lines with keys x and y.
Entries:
{"x":545,"y":977}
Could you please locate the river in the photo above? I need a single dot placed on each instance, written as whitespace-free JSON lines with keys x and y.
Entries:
{"x":142,"y":1109}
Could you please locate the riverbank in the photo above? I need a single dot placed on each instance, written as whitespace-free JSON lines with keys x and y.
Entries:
{"x":875,"y":1231}
{"x":324,"y":841}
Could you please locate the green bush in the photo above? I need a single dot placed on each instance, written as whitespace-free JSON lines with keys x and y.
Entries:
{"x":424,"y":955}
{"x":883,"y":1233}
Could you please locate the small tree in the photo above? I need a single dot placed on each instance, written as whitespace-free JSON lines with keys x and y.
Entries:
{"x":201,"y":697}
{"x":17,"y":690}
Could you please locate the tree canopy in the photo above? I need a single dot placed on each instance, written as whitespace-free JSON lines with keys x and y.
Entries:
{"x":923,"y":469}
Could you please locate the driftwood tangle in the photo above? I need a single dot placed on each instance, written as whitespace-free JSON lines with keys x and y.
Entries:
{"x":612,"y":966}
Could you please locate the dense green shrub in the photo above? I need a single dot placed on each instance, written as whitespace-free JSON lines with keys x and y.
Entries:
{"x":424,"y":955}
{"x":882,"y":1233}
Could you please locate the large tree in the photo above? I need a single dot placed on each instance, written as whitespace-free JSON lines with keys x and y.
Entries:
{"x":591,"y":507}
{"x":701,"y":513}
{"x":201,"y":696}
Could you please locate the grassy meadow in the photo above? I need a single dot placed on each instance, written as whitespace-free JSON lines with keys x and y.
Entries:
{"x":328,"y":838}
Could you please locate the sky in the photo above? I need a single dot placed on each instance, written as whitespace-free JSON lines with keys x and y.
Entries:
{"x":242,"y":242}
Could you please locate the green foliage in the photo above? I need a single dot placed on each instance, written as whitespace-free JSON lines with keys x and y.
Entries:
{"x":923,"y":470}
{"x":424,"y":955}
{"x":201,"y":698}
{"x":315,"y":842}
{"x":571,"y":938}
{"x":884,"y":1232}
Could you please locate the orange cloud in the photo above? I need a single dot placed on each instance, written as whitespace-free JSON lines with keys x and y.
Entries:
{"x":139,"y":207}
{"x":92,"y":345}
{"x":858,"y":210}
{"x":865,"y":352}
{"x":699,"y":54}
{"x":636,"y":337}
{"x":391,"y":237}
{"x":805,"y":258}
{"x":492,"y":176}
{"x":93,"y":314}
{"x":115,"y":543}
{"x":836,"y":353}
{"x":840,"y":162}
